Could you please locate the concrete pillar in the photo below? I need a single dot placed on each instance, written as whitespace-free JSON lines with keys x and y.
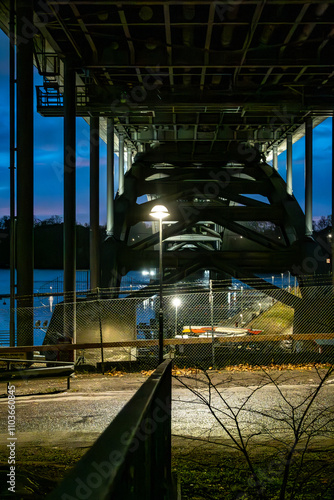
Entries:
{"x":308,"y":176}
{"x":332,"y":259}
{"x":110,"y":176}
{"x":289,"y":164}
{"x":121,"y":165}
{"x":129,"y":159}
{"x":69,"y":198}
{"x":94,"y":262}
{"x":275,"y":158}
{"x":12,"y":136}
{"x":25,"y":175}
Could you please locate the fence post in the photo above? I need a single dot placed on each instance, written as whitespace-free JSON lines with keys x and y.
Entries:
{"x":212,"y":330}
{"x":100,"y":325}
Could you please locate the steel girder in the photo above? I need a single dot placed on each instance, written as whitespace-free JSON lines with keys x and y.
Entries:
{"x":230,"y":214}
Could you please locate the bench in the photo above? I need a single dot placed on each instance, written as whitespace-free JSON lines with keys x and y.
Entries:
{"x":59,"y":369}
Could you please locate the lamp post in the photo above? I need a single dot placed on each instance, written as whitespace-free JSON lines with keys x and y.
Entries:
{"x":160,"y":212}
{"x":176,"y":303}
{"x":241,"y":301}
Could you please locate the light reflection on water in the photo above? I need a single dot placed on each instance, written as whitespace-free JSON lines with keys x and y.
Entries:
{"x":48,"y":280}
{"x":45,"y":281}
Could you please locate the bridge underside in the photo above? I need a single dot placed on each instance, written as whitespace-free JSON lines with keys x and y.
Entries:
{"x":229,"y":213}
{"x":201,"y":95}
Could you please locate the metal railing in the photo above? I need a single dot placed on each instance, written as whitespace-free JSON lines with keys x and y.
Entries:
{"x":131,"y":460}
{"x":53,"y":96}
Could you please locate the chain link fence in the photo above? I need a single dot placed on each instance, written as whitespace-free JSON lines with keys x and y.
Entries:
{"x":216,"y":325}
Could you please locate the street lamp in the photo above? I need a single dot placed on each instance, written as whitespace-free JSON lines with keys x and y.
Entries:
{"x":241,"y":299}
{"x":160,"y":212}
{"x":176,"y":303}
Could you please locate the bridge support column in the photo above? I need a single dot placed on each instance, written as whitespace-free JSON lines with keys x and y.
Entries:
{"x":308,"y":176}
{"x":12,"y":209}
{"x":94,"y":260}
{"x":129,"y":159}
{"x":275,"y":158}
{"x":69,"y":199}
{"x":121,"y":165}
{"x":332,"y":259}
{"x":289,"y":164}
{"x":25,"y":175}
{"x":110,"y":176}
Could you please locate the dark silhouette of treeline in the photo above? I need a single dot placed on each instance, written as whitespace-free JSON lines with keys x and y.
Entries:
{"x":48,"y":242}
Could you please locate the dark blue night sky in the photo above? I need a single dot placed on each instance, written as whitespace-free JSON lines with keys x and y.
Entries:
{"x":48,"y":183}
{"x":322,"y":166}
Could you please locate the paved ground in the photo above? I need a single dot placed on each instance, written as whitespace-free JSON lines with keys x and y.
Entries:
{"x":44,"y":416}
{"x":68,"y":422}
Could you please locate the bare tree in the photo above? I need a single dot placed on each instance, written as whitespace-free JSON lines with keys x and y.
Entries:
{"x":287,"y":427}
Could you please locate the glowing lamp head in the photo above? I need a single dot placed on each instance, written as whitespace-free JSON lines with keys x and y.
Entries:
{"x":176,"y":302}
{"x":159,"y":212}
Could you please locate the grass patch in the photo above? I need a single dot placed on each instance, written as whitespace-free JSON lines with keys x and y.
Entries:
{"x":275,"y":320}
{"x":208,"y":476}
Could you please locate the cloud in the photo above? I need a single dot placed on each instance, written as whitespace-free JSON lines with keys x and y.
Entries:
{"x":82,"y":162}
